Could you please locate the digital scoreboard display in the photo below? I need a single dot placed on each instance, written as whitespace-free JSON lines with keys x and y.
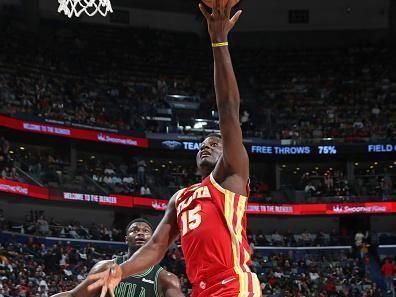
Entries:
{"x":322,"y":150}
{"x":329,"y":150}
{"x":381,"y":148}
{"x":280,"y":150}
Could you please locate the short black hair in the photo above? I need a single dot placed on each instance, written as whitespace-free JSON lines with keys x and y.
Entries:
{"x":218,"y":135}
{"x":138,"y":220}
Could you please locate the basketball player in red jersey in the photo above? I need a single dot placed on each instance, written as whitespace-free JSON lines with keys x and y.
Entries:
{"x":209,"y":217}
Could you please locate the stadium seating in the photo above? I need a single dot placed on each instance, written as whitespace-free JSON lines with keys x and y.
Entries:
{"x":106,"y":173}
{"x":30,"y":267}
{"x":111,"y":77}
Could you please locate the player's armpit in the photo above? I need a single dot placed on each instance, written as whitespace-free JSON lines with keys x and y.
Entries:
{"x":169,"y":285}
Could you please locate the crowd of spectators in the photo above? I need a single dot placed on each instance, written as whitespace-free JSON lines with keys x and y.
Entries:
{"x":389,"y":270}
{"x":48,"y":167}
{"x":308,"y":94}
{"x":35,"y":269}
{"x":101,"y":81}
{"x":124,"y":178}
{"x":114,"y":90}
{"x":291,"y":239}
{"x":376,"y":183}
{"x":36,"y":223}
{"x":331,"y":183}
{"x":39,"y":270}
{"x":135,"y":174}
{"x":340,"y":93}
{"x":53,"y":168}
{"x":7,"y":166}
{"x":317,"y":274}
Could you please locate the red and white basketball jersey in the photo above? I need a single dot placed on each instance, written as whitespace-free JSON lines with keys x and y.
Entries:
{"x":212,"y":225}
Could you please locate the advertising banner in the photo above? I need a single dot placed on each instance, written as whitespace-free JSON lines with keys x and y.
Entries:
{"x":115,"y":200}
{"x":23,"y":189}
{"x":322,"y":209}
{"x":73,"y":133}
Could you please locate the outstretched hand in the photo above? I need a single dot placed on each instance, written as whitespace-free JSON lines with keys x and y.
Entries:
{"x":220,"y":21}
{"x":107,"y":280}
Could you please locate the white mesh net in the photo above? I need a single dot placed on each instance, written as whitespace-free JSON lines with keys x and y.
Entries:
{"x":89,"y":7}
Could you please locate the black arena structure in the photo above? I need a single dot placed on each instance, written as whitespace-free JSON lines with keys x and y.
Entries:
{"x":102,"y":116}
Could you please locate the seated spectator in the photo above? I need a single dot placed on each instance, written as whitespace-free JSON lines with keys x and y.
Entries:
{"x":261,"y":239}
{"x":128,"y":180}
{"x":145,"y":191}
{"x":107,"y":180}
{"x":116,"y":180}
{"x":306,"y":238}
{"x":310,"y":188}
{"x":277,"y":239}
{"x":314,"y":276}
{"x":323,"y":238}
{"x":42,"y":226}
{"x":109,"y":171}
{"x":359,"y":237}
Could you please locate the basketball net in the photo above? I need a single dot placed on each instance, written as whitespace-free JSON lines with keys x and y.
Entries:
{"x":89,"y":7}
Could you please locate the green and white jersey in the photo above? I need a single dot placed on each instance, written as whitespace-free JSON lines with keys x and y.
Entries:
{"x":139,"y":285}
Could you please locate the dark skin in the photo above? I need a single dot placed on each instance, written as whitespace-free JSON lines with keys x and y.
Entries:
{"x":225,"y":158}
{"x":138,"y":235}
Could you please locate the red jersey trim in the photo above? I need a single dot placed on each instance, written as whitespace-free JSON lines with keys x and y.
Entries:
{"x":180,"y":193}
{"x":222,"y":190}
{"x":216,"y":185}
{"x":234,"y":211}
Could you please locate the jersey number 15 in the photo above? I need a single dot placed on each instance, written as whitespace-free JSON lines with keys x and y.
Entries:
{"x":191,"y":219}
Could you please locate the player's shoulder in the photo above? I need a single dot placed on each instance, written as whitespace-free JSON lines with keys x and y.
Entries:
{"x":176,"y":197}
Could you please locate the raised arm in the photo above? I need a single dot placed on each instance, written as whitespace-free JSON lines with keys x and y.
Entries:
{"x":148,"y":255}
{"x":235,"y":160}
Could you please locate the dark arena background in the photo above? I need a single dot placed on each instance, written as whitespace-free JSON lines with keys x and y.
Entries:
{"x":101,"y":118}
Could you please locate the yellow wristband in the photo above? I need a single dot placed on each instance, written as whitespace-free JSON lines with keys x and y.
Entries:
{"x":219,"y":44}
